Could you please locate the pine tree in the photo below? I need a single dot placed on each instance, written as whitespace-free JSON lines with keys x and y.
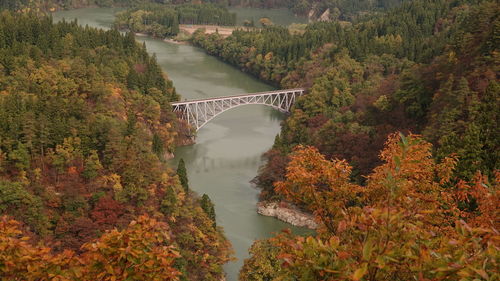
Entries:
{"x":208,"y":207}
{"x":488,"y":117}
{"x":169,"y":201}
{"x":182,"y":173}
{"x":157,"y":146}
{"x":92,"y":166}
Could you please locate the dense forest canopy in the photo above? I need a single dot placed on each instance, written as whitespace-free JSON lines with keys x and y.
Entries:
{"x":86,"y":125}
{"x":47,"y":5}
{"x":332,"y":9}
{"x":428,"y":67}
{"x":315,"y":9}
{"x":394,"y":150}
{"x":163,"y":20}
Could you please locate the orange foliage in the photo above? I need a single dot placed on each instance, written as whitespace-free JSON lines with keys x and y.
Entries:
{"x":21,"y":261}
{"x":140,"y":252}
{"x":485,"y":195}
{"x":405,"y":224}
{"x":317,"y":184}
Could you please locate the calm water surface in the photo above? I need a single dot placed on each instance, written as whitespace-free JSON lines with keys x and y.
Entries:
{"x":228,"y":150}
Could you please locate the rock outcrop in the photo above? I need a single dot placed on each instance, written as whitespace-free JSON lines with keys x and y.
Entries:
{"x":287,"y":213}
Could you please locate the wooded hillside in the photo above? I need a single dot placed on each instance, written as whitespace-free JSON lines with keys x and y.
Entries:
{"x":428,"y":67}
{"x":163,"y":20}
{"x":390,"y":206}
{"x":85,"y":128}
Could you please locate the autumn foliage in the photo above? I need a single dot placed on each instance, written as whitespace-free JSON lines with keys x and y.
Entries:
{"x":410,"y":222}
{"x":85,"y":124}
{"x":142,"y":251}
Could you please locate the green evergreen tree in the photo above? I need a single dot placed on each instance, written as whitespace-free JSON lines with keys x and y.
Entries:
{"x":158,"y":146}
{"x":20,"y":157}
{"x":488,"y":119}
{"x":182,"y":173}
{"x":169,"y":201}
{"x":208,"y":207}
{"x":92,"y":166}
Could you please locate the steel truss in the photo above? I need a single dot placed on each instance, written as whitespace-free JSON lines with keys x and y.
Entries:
{"x":199,"y":112}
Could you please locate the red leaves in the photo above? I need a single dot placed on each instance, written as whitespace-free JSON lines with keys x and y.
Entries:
{"x":342,"y":226}
{"x":107,"y":211}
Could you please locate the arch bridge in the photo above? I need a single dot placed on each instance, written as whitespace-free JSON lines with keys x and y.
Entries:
{"x":199,"y":112}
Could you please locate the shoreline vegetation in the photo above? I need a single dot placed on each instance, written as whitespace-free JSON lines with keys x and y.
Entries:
{"x":187,"y":30}
{"x":179,"y":22}
{"x":165,"y":20}
{"x":82,"y":160}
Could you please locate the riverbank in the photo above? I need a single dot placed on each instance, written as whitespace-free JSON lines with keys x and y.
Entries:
{"x":173,"y":41}
{"x":225,"y":31}
{"x":286,"y":212}
{"x":228,"y":150}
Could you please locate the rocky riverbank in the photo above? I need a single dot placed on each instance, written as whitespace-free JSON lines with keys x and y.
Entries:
{"x":287,"y":213}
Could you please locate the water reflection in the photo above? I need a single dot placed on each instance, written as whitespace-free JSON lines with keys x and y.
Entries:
{"x":228,"y":150}
{"x":207,"y":164}
{"x":275,"y":115}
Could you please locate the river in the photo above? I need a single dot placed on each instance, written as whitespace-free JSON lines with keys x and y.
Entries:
{"x":228,"y":150}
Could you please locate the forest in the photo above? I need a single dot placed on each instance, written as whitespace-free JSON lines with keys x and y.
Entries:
{"x":51,"y":5}
{"x":345,"y":10}
{"x":162,"y":20}
{"x":411,"y":221}
{"x":425,"y":67}
{"x":394,"y":149}
{"x":403,"y":71}
{"x":86,"y":128}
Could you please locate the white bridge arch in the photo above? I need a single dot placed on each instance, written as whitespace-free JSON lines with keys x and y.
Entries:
{"x":199,"y":112}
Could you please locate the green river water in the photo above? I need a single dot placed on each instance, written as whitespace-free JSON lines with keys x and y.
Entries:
{"x":228,"y":150}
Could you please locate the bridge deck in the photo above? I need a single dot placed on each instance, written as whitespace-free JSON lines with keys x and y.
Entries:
{"x":198,"y":112}
{"x":237,"y":96}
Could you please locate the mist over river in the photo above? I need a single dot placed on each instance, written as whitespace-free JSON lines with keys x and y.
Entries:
{"x":228,"y":150}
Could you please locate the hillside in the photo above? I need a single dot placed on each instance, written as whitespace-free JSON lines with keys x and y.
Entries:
{"x":164,"y":20}
{"x":393,"y":151}
{"x":390,"y":205}
{"x":86,"y":127}
{"x":429,"y":68}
